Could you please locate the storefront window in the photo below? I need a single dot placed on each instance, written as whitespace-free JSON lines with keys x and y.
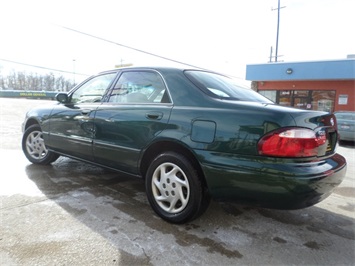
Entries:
{"x":303,"y":99}
{"x":323,"y":100}
{"x":285,"y":98}
{"x":300,"y":93}
{"x":302,"y":103}
{"x":271,"y":95}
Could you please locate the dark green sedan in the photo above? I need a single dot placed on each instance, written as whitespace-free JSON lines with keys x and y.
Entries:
{"x":191,"y":134}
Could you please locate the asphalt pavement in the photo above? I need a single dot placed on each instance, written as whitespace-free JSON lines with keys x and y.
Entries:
{"x":72,"y":213}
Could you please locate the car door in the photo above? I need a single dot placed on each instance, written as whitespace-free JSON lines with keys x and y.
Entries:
{"x":71,"y":124}
{"x":137,"y":110}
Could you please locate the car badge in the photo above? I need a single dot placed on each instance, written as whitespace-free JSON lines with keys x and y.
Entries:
{"x":332,"y":121}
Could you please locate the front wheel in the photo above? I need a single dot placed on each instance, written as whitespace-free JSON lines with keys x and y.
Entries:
{"x":34,"y":147}
{"x":174,"y":189}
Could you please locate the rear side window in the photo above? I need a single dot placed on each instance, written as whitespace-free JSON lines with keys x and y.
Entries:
{"x":223,"y":87}
{"x":138,"y":87}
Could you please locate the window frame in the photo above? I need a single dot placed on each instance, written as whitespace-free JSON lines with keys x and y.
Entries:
{"x":163,"y":86}
{"x":87,"y":82}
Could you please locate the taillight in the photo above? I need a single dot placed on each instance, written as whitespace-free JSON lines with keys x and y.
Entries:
{"x":291,"y":142}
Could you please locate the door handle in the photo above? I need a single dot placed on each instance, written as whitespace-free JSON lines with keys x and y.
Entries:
{"x":154,"y":115}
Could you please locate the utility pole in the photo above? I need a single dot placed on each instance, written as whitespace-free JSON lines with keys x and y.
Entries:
{"x":278,"y":26}
{"x":74,"y":71}
{"x":270,"y":54}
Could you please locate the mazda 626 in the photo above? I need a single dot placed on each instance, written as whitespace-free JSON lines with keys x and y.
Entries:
{"x":191,"y":135}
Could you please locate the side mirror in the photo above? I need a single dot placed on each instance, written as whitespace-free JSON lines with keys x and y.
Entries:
{"x":62,"y":97}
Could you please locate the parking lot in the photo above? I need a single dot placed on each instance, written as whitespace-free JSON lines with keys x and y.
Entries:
{"x":72,"y":213}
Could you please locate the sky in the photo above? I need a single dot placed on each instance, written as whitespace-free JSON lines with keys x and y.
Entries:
{"x":222,"y":36}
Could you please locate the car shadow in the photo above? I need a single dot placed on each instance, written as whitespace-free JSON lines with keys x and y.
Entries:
{"x":347,"y":144}
{"x":110,"y":203}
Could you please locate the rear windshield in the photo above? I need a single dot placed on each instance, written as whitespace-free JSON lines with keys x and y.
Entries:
{"x":223,"y":87}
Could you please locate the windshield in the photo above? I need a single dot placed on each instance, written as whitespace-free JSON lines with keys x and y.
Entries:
{"x":223,"y":87}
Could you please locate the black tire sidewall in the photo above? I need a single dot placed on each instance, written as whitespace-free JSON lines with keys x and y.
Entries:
{"x":196,"y":192}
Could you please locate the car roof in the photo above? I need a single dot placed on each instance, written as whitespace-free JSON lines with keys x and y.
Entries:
{"x":161,"y":68}
{"x":145,"y":68}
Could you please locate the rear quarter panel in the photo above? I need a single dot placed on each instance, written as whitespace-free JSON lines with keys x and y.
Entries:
{"x":238,"y":126}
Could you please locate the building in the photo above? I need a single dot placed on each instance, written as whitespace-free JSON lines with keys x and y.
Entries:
{"x":317,"y":85}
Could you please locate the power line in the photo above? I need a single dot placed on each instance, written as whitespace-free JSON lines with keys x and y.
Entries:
{"x":136,"y":49}
{"x":112,"y":42}
{"x":129,"y":47}
{"x":41,"y":67}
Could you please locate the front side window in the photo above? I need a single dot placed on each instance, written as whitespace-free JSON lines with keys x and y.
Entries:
{"x":138,"y":87}
{"x":223,"y":87}
{"x":93,"y":89}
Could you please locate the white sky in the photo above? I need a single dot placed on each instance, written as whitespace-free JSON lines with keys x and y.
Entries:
{"x":223,"y":35}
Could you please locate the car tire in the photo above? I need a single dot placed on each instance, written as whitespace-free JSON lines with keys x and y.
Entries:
{"x":174,"y":189}
{"x":34,"y":147}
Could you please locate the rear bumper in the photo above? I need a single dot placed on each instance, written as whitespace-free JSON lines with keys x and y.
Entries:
{"x":272,"y":183}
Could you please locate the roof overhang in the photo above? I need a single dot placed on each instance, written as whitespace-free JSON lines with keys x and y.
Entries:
{"x":313,"y":70}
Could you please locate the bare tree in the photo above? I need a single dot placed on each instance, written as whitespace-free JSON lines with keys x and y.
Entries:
{"x":34,"y":82}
